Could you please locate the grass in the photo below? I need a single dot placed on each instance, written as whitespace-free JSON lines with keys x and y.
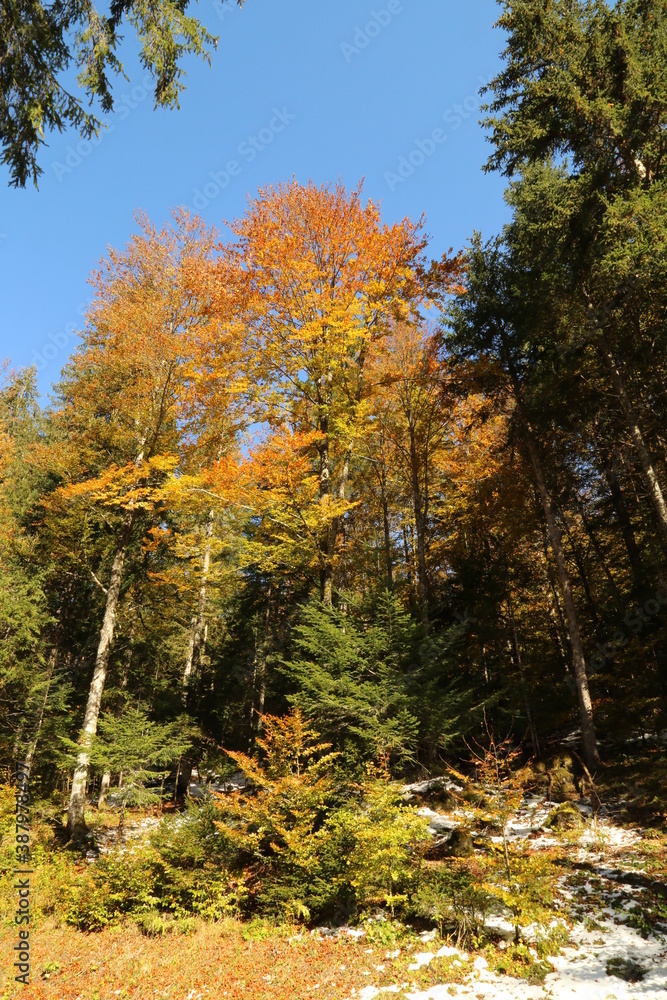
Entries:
{"x":227,"y":959}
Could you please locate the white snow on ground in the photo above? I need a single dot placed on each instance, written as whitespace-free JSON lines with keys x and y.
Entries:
{"x":439,"y":823}
{"x":604,"y":834}
{"x":108,"y":840}
{"x":430,"y":785}
{"x":580,"y":970}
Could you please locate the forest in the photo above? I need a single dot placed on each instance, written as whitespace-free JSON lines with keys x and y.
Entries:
{"x":313,"y":518}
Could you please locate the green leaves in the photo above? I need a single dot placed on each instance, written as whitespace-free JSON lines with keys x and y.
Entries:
{"x":136,"y":749}
{"x":582,"y":79}
{"x":364,"y":675}
{"x":40,"y":42}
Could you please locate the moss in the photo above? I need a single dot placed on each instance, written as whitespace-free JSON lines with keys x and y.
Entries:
{"x":565,"y":817}
{"x":459,"y":845}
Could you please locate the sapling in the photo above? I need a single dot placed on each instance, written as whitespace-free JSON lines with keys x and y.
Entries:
{"x":140,"y":752}
{"x":496,"y":767}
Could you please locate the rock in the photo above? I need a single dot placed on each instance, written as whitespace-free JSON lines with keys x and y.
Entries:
{"x":438,"y":849}
{"x":437,"y":823}
{"x":491,"y":826}
{"x":565,"y":817}
{"x":625,"y":968}
{"x":459,"y":845}
{"x":440,"y":790}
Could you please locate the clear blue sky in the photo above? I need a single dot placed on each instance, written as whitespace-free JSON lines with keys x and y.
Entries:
{"x":321,"y":89}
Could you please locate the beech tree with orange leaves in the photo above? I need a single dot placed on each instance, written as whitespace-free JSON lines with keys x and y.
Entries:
{"x":319,"y":280}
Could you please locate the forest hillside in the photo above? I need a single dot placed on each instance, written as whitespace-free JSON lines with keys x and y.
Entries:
{"x":333,"y":598}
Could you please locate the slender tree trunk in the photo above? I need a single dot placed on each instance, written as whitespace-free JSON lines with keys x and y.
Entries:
{"x":28,"y":759}
{"x":75,"y":818}
{"x":588,"y":738}
{"x":259,"y":679}
{"x":387,"y":531}
{"x":258,"y":710}
{"x":105,"y":783}
{"x":588,"y":528}
{"x":326,"y":569}
{"x":624,"y":523}
{"x":589,"y":741}
{"x":519,"y":665}
{"x":555,"y":632}
{"x":579,"y":562}
{"x":121,"y":822}
{"x":419,"y":512}
{"x":260,"y":674}
{"x":655,"y":493}
{"x":409,"y":565}
{"x":414,"y":565}
{"x":328,"y":549}
{"x":195,"y":646}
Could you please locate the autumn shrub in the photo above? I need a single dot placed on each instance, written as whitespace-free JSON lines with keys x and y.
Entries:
{"x":55,"y":871}
{"x":310,"y":847}
{"x":115,"y":885}
{"x":453,"y":896}
{"x":519,"y":962}
{"x":193,"y":866}
{"x":181,"y":872}
{"x":386,"y":842}
{"x":275,"y":832}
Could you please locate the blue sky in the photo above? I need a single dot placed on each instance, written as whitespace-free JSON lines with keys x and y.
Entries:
{"x":321,"y":89}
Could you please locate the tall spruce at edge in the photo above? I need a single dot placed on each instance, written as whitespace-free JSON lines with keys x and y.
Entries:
{"x":587,"y":83}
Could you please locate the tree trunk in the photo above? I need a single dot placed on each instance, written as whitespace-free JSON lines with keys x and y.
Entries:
{"x":519,"y":665}
{"x":589,"y":741}
{"x":588,"y":738}
{"x":408,"y":562}
{"x":655,"y":493}
{"x":588,"y":528}
{"x":625,"y":524}
{"x":195,"y":647}
{"x":259,"y":689}
{"x":420,"y":519}
{"x":33,"y":743}
{"x":579,"y":563}
{"x":326,"y":569}
{"x":387,"y":531}
{"x":76,"y":824}
{"x":259,"y":679}
{"x":328,"y":548}
{"x":105,"y":784}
